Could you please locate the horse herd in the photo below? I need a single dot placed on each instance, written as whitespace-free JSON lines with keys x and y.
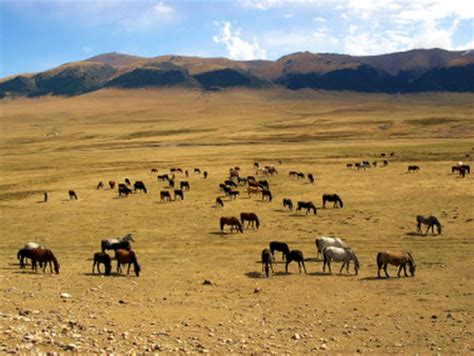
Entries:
{"x":42,"y":256}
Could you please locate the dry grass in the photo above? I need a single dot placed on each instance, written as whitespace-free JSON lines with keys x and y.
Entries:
{"x":118,"y":134}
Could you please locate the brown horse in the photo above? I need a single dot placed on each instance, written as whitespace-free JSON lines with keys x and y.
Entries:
{"x":127,"y":257}
{"x":233,"y":222}
{"x":254,"y":190}
{"x":44,"y":256}
{"x":397,"y":259}
{"x":252,"y":219}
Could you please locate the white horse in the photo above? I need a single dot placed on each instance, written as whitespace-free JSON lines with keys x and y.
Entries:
{"x":324,"y":241}
{"x":32,"y":245}
{"x":116,"y":243}
{"x":339,"y":254}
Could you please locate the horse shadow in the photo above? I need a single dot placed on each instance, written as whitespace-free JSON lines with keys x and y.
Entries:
{"x":295,"y":215}
{"x":40,"y":202}
{"x":112,"y":274}
{"x":220,"y":233}
{"x":320,"y":274}
{"x":413,"y":233}
{"x":261,"y":275}
{"x":280,"y":210}
{"x":375,"y":278}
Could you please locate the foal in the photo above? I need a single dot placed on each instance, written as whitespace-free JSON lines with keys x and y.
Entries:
{"x":267,"y":259}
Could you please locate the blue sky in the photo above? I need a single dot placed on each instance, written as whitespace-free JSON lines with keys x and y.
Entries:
{"x":39,"y":35}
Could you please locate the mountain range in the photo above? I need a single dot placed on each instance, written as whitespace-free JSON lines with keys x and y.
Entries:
{"x":418,"y":70}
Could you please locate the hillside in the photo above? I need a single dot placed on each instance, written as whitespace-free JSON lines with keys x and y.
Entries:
{"x":405,"y":72}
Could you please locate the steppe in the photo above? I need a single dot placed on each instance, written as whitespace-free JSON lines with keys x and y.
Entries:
{"x":55,"y":144}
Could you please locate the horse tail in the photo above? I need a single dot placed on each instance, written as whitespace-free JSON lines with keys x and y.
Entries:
{"x":379,"y":260}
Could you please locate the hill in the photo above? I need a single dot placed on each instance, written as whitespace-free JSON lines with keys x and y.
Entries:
{"x":417,"y":70}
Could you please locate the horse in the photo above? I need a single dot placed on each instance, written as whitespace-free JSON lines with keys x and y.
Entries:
{"x":23,"y":254}
{"x":292,"y":174}
{"x":467,"y":168}
{"x":256,"y":165}
{"x":287,"y":202}
{"x":45,"y":256}
{"x":398,"y":258}
{"x":267,"y":258}
{"x":100,"y":185}
{"x":413,"y":169}
{"x":253,"y":184}
{"x":123,"y":190}
{"x":127,"y":257}
{"x":127,"y":182}
{"x":230,"y":183}
{"x":323,"y":242}
{"x":233,"y":194}
{"x":113,"y":244}
{"x":308,"y":205}
{"x":139,"y":185}
{"x":385,"y":163}
{"x":431,"y":221}
{"x":162,"y":177}
{"x":253,"y":190}
{"x":171,"y":183}
{"x":111,"y":184}
{"x":340,"y":254}
{"x":300,"y":175}
{"x":242,"y":180}
{"x":227,"y":190}
{"x":165,"y":195}
{"x":154,"y":170}
{"x":102,"y":258}
{"x":219,"y":202}
{"x":251,"y":179}
{"x":184,"y":185}
{"x":349,"y":165}
{"x":311,"y":178}
{"x":72,"y":195}
{"x":263,"y":184}
{"x":279,"y":246}
{"x":333,"y":198}
{"x":45,"y":197}
{"x":186,"y":173}
{"x":233,"y":222}
{"x":197,"y":170}
{"x":295,"y":255}
{"x":252,"y":219}
{"x":204,"y":175}
{"x":374,"y":163}
{"x":266,"y":194}
{"x":178,"y":193}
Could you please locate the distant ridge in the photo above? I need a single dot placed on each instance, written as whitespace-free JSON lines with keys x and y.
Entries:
{"x":417,"y":70}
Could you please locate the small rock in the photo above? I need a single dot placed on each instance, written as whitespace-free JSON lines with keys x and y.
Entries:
{"x":207,"y":282}
{"x":323,"y":347}
{"x":66,"y":296}
{"x":434,"y":317}
{"x":257,"y":290}
{"x":157,"y":347}
{"x":296,"y":336}
{"x":71,"y":347}
{"x":121,"y":301}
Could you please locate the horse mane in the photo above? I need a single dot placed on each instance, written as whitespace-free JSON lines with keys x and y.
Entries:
{"x":356,"y":260}
{"x":411,"y":260}
{"x":257,"y":221}
{"x":54,"y":260}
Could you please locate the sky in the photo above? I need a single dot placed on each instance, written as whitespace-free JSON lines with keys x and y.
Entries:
{"x":42,"y":34}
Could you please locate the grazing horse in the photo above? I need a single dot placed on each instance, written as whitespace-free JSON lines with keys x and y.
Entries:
{"x":413,"y":169}
{"x":349,"y":165}
{"x":113,"y":244}
{"x":431,"y":221}
{"x":295,"y":255}
{"x":233,"y":194}
{"x":139,"y":185}
{"x":22,"y":255}
{"x":72,"y":195}
{"x":230,"y":183}
{"x":252,"y":219}
{"x":263,"y":184}
{"x":127,"y":257}
{"x":102,"y":258}
{"x":292,"y":174}
{"x":171,"y":183}
{"x":300,"y":175}
{"x":178,"y":193}
{"x":267,"y":259}
{"x":111,"y":184}
{"x":127,"y":182}
{"x":45,"y":256}
{"x":323,"y":242}
{"x":398,"y":258}
{"x":184,"y":185}
{"x":311,"y":178}
{"x":162,"y":177}
{"x":197,"y":170}
{"x":467,"y":168}
{"x":385,"y":163}
{"x":154,"y":170}
{"x":123,"y":190}
{"x":308,"y":205}
{"x":336,"y":199}
{"x":280,"y":246}
{"x":165,"y":195}
{"x":233,"y":222}
{"x":242,"y":180}
{"x":219,"y":202}
{"x":266,"y":194}
{"x":254,"y":190}
{"x":287,"y":202}
{"x":100,"y":185}
{"x":340,"y":254}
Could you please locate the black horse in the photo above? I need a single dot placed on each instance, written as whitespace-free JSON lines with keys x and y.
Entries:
{"x":295,"y":255}
{"x":197,"y":170}
{"x":267,"y":258}
{"x":184,"y":185}
{"x":22,"y":255}
{"x":308,"y":205}
{"x":205,"y":174}
{"x":336,"y":199}
{"x":100,"y":185}
{"x":264,"y":184}
{"x":230,"y":183}
{"x":102,"y":258}
{"x":163,"y":177}
{"x":311,"y":178}
{"x":123,"y":190}
{"x":266,"y":194}
{"x":165,"y":195}
{"x":287,"y":202}
{"x":219,"y":202}
{"x":139,"y":185}
{"x":72,"y":195}
{"x":413,"y":169}
{"x":178,"y":193}
{"x":280,"y":246}
{"x":127,"y":182}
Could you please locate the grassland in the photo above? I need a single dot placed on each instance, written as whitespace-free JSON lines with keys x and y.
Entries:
{"x":57,"y":144}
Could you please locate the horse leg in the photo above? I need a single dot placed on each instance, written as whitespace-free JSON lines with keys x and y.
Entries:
{"x":347,"y":266}
{"x":426,"y":232}
{"x":378,"y":271}
{"x":342,"y":267}
{"x":128,"y":270}
{"x":385,"y":270}
{"x":299,"y":266}
{"x":51,"y":266}
{"x":400,"y":270}
{"x":405,"y":270}
{"x":329,"y":266}
{"x":271,"y":267}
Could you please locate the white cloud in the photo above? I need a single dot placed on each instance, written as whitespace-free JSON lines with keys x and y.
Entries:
{"x":162,"y":8}
{"x":236,"y":47}
{"x":87,"y":49}
{"x":320,"y":19}
{"x":261,"y":4}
